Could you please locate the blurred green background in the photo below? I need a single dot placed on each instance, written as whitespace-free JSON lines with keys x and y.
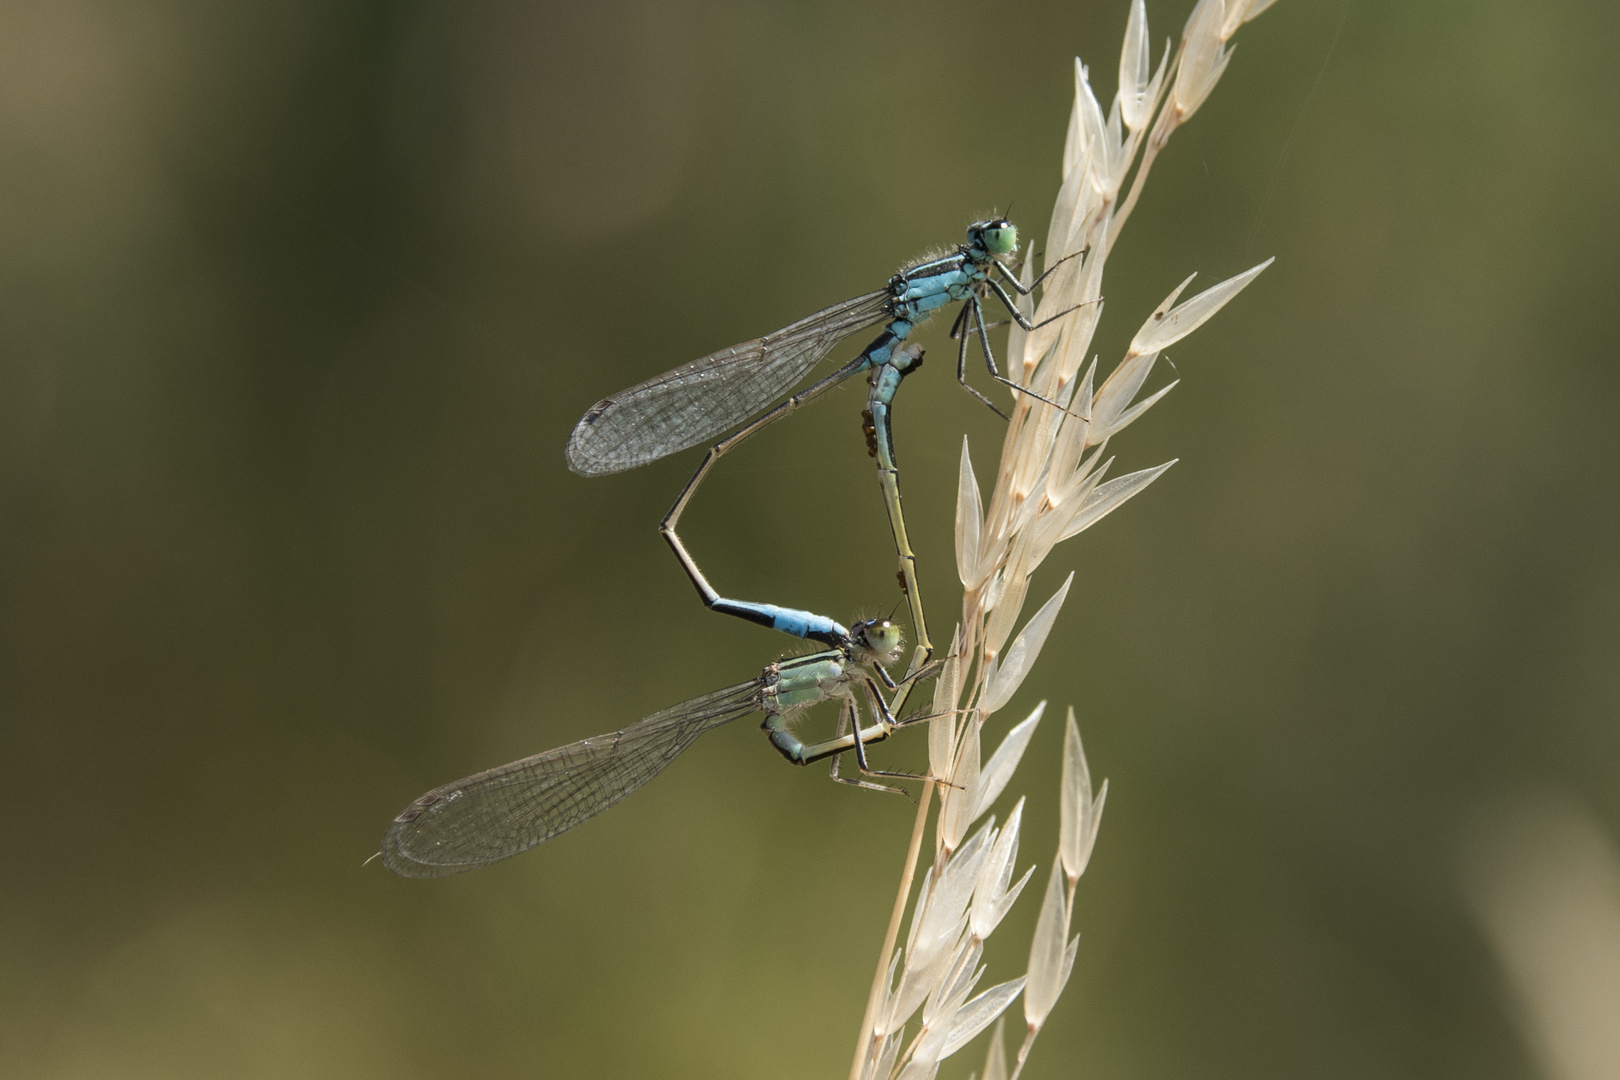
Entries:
{"x":299,"y":302}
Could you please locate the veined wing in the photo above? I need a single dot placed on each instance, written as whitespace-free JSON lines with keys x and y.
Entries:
{"x":697,"y":402}
{"x":500,"y":812}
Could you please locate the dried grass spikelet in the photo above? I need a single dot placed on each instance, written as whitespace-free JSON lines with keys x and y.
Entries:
{"x":1051,"y":484}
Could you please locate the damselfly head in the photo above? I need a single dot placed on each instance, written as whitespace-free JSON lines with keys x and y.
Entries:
{"x":881,"y":636}
{"x":997,"y":236}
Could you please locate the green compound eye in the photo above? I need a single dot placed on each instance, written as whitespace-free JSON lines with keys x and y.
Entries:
{"x":1001,"y":238}
{"x":882,"y":636}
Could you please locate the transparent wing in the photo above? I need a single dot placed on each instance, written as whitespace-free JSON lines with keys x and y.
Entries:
{"x":697,"y":402}
{"x":498,"y":813}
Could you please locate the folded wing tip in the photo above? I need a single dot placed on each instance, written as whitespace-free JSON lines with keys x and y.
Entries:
{"x":584,"y":459}
{"x":400,"y":861}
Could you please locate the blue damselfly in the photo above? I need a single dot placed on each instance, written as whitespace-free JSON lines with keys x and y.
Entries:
{"x":705,"y":398}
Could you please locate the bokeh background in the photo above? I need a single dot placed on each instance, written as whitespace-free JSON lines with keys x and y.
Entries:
{"x":299,"y":301}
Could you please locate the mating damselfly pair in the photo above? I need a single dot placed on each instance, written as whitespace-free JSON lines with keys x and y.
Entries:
{"x":498,"y":813}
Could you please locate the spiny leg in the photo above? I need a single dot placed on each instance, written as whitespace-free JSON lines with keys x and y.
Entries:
{"x":848,"y":717}
{"x":850,"y":736}
{"x":922,"y":717}
{"x":879,"y":731}
{"x":1021,"y":319}
{"x":921,"y":669}
{"x":961,"y":332}
{"x":906,"y":685}
{"x":796,"y":751}
{"x":983,"y":333}
{"x":1025,"y":290}
{"x":960,"y":326}
{"x":971,"y":308}
{"x":843,"y":729}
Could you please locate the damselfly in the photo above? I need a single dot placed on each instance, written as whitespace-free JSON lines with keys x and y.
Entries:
{"x":701,"y":400}
{"x":496,"y":814}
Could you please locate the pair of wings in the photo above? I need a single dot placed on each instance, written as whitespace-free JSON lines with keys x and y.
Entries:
{"x":700,"y":401}
{"x":498,"y":813}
